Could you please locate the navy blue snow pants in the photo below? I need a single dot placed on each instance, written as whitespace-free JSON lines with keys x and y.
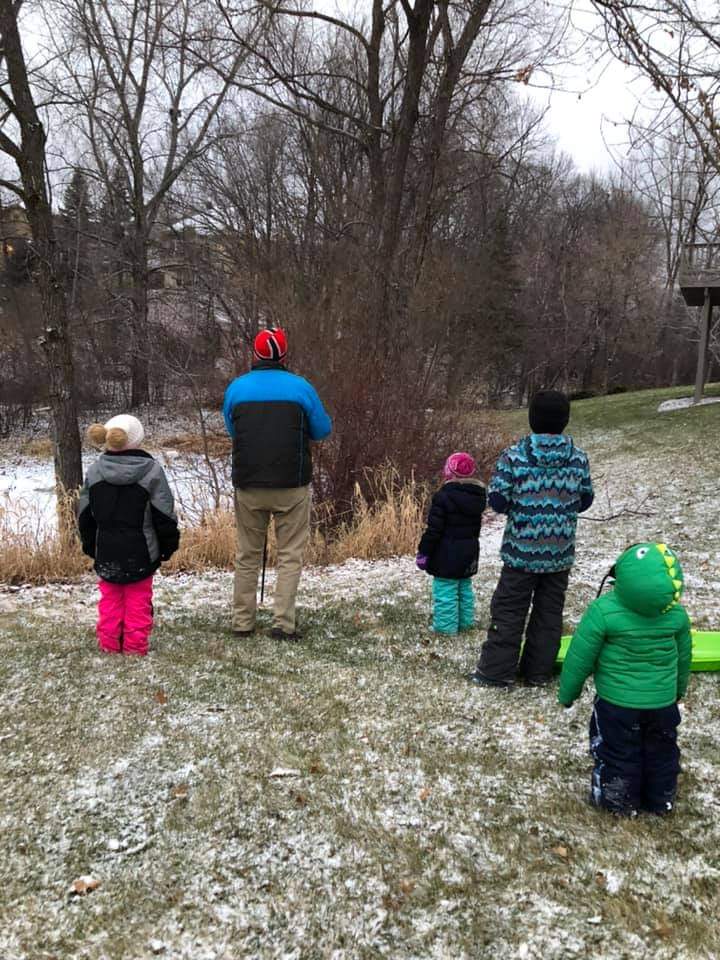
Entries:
{"x":637,"y":759}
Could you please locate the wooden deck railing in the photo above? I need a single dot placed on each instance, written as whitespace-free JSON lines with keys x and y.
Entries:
{"x":700,"y":259}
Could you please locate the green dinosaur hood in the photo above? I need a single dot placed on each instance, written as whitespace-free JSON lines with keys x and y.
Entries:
{"x":648,"y":579}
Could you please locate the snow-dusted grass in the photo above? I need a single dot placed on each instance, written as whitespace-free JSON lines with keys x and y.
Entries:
{"x":352,"y":796}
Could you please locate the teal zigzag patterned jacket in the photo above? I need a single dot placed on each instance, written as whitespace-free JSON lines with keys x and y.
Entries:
{"x":541,"y":482}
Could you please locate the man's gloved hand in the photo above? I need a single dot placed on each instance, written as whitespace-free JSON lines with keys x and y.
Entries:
{"x":421,"y":561}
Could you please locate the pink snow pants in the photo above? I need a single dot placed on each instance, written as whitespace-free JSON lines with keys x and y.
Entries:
{"x":125,"y":616}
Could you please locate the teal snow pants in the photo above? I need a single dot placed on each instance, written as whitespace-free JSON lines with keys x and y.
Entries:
{"x":453,"y":605}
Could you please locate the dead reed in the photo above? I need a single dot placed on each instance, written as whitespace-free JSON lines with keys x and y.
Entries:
{"x":384,"y":521}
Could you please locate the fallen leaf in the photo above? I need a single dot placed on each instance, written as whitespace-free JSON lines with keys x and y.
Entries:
{"x":180,"y":792}
{"x":600,"y":879}
{"x":424,"y":793}
{"x":161,"y":697}
{"x":407,"y":887}
{"x":83,"y":885}
{"x":316,"y":767}
{"x":300,"y":799}
{"x":560,"y":851}
{"x":390,"y":903}
{"x":663,"y":928}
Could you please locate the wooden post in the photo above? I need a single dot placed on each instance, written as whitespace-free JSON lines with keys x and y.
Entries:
{"x":703,"y":347}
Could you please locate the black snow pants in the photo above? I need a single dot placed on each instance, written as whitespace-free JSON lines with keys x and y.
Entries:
{"x":515,"y":591}
{"x":637,"y":759}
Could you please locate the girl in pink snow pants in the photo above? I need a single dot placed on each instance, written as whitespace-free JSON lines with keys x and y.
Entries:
{"x":128,"y":526}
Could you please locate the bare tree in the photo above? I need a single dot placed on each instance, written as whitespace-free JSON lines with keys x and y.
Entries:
{"x":394,"y":83}
{"x":23,"y":139}
{"x":676,"y":44}
{"x":145,"y":106}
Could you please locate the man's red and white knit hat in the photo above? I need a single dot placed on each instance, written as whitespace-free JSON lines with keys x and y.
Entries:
{"x":270,"y":345}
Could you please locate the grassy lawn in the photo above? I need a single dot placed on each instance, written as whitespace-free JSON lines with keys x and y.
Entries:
{"x":353,"y":796}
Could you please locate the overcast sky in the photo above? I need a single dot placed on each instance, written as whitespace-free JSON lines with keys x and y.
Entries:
{"x":584,"y":124}
{"x":593,"y":98}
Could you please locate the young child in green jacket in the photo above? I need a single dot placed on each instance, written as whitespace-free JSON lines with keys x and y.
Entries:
{"x":635,"y":640}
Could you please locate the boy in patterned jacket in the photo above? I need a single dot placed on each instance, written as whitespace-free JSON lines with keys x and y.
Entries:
{"x":541,"y":482}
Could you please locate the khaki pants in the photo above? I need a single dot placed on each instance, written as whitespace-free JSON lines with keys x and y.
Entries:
{"x":253,"y":508}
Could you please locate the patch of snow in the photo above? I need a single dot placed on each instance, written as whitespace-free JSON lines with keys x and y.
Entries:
{"x":682,"y":403}
{"x":27,"y":489}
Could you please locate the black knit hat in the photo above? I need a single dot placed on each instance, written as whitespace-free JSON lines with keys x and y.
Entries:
{"x":549,"y":412}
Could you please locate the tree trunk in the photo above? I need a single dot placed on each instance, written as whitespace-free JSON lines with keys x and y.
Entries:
{"x":55,"y":341}
{"x":455,"y":57}
{"x":418,"y":25}
{"x":140,"y":359}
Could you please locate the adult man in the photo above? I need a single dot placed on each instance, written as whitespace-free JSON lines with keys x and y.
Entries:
{"x":271,"y":415}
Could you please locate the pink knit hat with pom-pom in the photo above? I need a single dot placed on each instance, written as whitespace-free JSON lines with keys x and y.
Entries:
{"x":458,"y":466}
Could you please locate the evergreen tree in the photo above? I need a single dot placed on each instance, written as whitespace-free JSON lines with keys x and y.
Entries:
{"x":115,"y":210}
{"x":76,"y":208}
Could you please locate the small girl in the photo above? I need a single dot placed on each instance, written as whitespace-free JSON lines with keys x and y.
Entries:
{"x":449,"y":547}
{"x":128,"y":526}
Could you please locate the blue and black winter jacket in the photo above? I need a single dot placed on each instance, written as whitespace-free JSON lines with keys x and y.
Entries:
{"x":542,"y":483}
{"x":272,"y":415}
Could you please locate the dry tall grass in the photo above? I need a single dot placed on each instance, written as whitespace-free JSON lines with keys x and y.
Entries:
{"x":30,"y":552}
{"x":40,"y":448}
{"x":214,"y":444}
{"x":387,"y":525}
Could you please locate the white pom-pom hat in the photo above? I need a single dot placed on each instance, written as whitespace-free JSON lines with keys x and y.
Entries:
{"x":132,"y":427}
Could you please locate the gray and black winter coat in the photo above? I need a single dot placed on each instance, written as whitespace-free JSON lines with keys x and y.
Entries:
{"x":126,"y":516}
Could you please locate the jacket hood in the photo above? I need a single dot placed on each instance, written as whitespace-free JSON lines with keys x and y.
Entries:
{"x":471,"y":485}
{"x":549,"y":449}
{"x":468,"y":496}
{"x":648,"y":579}
{"x":125,"y":467}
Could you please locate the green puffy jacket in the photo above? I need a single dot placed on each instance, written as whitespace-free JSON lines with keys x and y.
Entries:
{"x":636,"y":638}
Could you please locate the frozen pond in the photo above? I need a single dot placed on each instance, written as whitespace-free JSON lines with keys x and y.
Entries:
{"x":27,"y":488}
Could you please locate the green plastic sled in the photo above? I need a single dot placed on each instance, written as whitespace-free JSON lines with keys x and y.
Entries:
{"x":705,"y":651}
